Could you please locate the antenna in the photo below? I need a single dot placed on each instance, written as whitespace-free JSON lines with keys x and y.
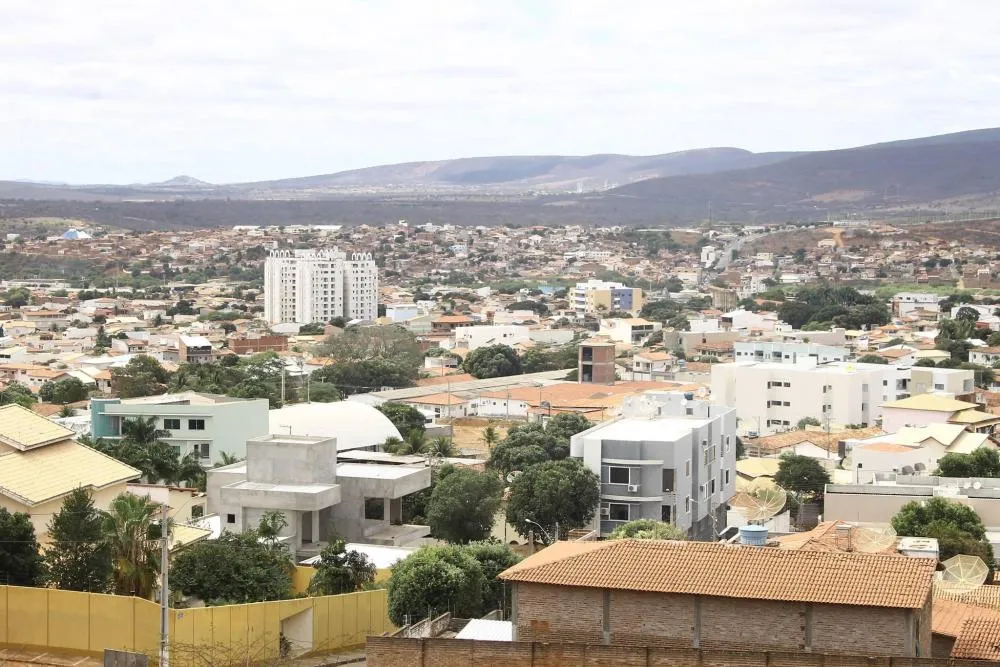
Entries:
{"x":874,"y":539}
{"x":512,"y":475}
{"x":962,"y":574}
{"x":762,"y":504}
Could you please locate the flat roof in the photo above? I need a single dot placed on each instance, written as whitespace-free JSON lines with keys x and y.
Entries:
{"x":376,"y":471}
{"x":666,"y":429}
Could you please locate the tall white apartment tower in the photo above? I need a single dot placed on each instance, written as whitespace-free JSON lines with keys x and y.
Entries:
{"x":318,"y":285}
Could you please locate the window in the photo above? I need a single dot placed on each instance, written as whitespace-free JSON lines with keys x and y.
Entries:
{"x":171,"y":424}
{"x":618,"y":512}
{"x":197,"y":511}
{"x":701,"y":490}
{"x":687,"y":503}
{"x":618,"y":475}
{"x":230,"y":518}
{"x":203,"y":450}
{"x":711,"y":486}
{"x":786,"y":404}
{"x":668,"y":480}
{"x":938,"y":387}
{"x":727,"y":477}
{"x":689,"y":411}
{"x":687,"y":468}
{"x":196,"y":424}
{"x":665,"y":512}
{"x":787,"y":384}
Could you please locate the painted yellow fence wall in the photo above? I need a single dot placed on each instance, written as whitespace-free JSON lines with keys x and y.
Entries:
{"x":88,"y":623}
{"x":304,"y":574}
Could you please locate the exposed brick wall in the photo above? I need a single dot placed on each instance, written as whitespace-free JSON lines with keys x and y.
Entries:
{"x":404,"y":652}
{"x":841,"y":629}
{"x":752,"y":623}
{"x":941,"y":646}
{"x":651,"y":619}
{"x":560,"y":613}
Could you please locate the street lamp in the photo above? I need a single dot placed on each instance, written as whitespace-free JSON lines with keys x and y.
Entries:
{"x":548,"y":538}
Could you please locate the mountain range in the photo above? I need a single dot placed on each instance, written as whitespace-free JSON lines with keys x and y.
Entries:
{"x":959,"y":171}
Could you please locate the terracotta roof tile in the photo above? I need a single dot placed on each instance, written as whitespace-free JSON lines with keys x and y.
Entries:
{"x":735,"y":571}
{"x":948,"y":616}
{"x":979,"y":639}
{"x":984,"y":596}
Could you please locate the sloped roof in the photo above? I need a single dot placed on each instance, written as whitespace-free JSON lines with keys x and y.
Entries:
{"x":930,"y":402}
{"x":22,"y":429}
{"x":734,"y":571}
{"x":979,"y":639}
{"x":948,"y":616}
{"x":37,"y":475}
{"x":972,"y":417}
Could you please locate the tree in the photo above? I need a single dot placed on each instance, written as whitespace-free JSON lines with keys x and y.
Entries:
{"x":131,"y":534}
{"x":311,"y":329}
{"x":341,"y":571}
{"x":494,"y":557}
{"x":925,"y":363}
{"x":405,"y":418}
{"x":433,"y":580}
{"x":78,"y":558}
{"x":807,"y":421}
{"x":565,"y":425}
{"x":102,"y":341}
{"x":390,"y":342}
{"x":235,"y":568}
{"x":464,"y":504}
{"x":440,"y":447}
{"x":359,"y":377}
{"x":983,"y":462}
{"x":679,"y":323}
{"x":537,"y":307}
{"x":648,"y":529}
{"x":956,"y":526}
{"x":872,"y":359}
{"x":554,"y":492}
{"x":802,"y":475}
{"x":20,"y":559}
{"x":490,"y":437}
{"x":967,"y":314}
{"x":17,"y":297}
{"x":17,"y":393}
{"x":69,"y":390}
{"x":141,"y":376}
{"x":492,"y":361}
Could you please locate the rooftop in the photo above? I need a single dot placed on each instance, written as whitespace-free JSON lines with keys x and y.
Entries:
{"x":665,"y":429}
{"x":979,"y":640}
{"x":931,"y":402}
{"x":734,"y":571}
{"x":22,"y":429}
{"x":948,"y":616}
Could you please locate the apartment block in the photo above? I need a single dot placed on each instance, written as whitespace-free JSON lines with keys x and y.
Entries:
{"x":669,"y":457}
{"x":318,"y":285}
{"x":201,"y":424}
{"x":598,"y":296}
{"x":596,"y":362}
{"x":770,"y":396}
{"x":788,"y":353}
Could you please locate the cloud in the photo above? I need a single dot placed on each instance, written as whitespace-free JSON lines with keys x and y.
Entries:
{"x":230,"y":91}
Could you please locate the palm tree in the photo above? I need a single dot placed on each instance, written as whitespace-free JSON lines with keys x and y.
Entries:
{"x":416,"y":442}
{"x":440,"y":447}
{"x":490,"y":437}
{"x":67,"y":411}
{"x":127,"y":528}
{"x":227,"y":459}
{"x":142,"y":431}
{"x":189,"y":470}
{"x":392,"y":444}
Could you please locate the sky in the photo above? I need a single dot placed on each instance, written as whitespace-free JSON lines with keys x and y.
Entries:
{"x":240,"y":90}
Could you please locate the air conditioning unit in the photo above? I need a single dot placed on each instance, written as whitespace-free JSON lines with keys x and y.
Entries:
{"x":633,"y":488}
{"x":605,"y":511}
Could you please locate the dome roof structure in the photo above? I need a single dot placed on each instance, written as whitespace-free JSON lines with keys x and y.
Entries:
{"x":354,"y":425}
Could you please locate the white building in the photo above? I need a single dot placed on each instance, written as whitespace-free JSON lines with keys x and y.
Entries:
{"x":318,"y":285}
{"x":631,"y":331}
{"x":669,"y":458}
{"x":771,"y":397}
{"x":905,"y":303}
{"x":788,"y":353}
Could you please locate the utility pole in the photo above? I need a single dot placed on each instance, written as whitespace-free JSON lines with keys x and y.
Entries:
{"x":164,"y":585}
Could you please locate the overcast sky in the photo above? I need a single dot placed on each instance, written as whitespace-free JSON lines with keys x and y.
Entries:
{"x":236,"y":90}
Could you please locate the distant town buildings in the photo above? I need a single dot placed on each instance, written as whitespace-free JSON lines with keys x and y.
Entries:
{"x":598,"y":296}
{"x":318,"y":285}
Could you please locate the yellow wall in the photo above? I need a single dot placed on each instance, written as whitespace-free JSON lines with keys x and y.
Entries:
{"x":304,"y":574}
{"x":41,"y":515}
{"x":82,"y":623}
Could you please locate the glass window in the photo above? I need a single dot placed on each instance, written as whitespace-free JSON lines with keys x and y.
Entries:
{"x":618,"y":512}
{"x":171,"y":424}
{"x":668,"y":480}
{"x":618,"y":475}
{"x":230,"y":518}
{"x":196,"y":424}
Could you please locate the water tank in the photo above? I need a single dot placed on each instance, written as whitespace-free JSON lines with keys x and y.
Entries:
{"x":755,"y":536}
{"x":689,"y":396}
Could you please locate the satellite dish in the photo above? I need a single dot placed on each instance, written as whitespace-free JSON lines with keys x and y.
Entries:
{"x":919,"y":467}
{"x":966,"y":484}
{"x":962,"y":574}
{"x":512,"y":475}
{"x":764,"y":503}
{"x":977,"y":485}
{"x":907,"y":470}
{"x":873,"y":539}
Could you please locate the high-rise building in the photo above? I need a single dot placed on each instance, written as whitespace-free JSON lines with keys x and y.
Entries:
{"x":318,"y":285}
{"x":597,"y":296}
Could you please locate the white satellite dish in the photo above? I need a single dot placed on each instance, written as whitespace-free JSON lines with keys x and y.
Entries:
{"x":966,"y":484}
{"x":977,"y":485}
{"x":512,"y":475}
{"x":763,"y":503}
{"x":873,"y":539}
{"x":962,"y":574}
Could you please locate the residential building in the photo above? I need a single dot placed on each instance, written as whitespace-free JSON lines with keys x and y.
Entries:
{"x":205,"y":425}
{"x":958,"y":382}
{"x":318,"y":285}
{"x":194,"y":350}
{"x":41,"y":463}
{"x":723,"y":298}
{"x":597,"y":296}
{"x":906,"y":303}
{"x":597,"y":362}
{"x":653,"y":365}
{"x":770,"y":396}
{"x":984,"y":356}
{"x":912,"y":449}
{"x":787,"y":352}
{"x":711,"y":595}
{"x":302,"y":478}
{"x":921,"y":409}
{"x":400,"y":312}
{"x":252,"y":344}
{"x":631,"y":331}
{"x":669,"y":457}
{"x":472,"y":338}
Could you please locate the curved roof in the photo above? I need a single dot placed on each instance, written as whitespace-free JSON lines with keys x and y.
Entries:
{"x":353,"y":424}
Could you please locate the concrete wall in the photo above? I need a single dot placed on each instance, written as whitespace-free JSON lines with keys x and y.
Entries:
{"x":405,"y":652}
{"x":880,"y":507}
{"x":88,"y":623}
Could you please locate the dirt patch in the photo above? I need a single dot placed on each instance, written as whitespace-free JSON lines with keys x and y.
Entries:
{"x":467,"y":432}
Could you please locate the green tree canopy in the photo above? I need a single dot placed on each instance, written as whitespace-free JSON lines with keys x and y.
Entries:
{"x":69,"y":390}
{"x":390,"y":342}
{"x":20,"y":558}
{"x":341,"y":571}
{"x":956,"y":526}
{"x":405,"y":418}
{"x":433,"y":580}
{"x":492,"y":361}
{"x":803,"y":475}
{"x":78,"y":557}
{"x":359,"y":377}
{"x":18,"y":394}
{"x":554,"y":492}
{"x":648,"y":529}
{"x":538,"y":359}
{"x":537,"y":307}
{"x":464,"y":505}
{"x":129,"y":531}
{"x":807,"y":421}
{"x":872,"y":359}
{"x":494,"y":557}
{"x":141,"y":376}
{"x":235,"y":568}
{"x":983,"y":462}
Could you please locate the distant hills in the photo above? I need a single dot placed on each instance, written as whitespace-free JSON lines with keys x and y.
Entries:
{"x":958,"y":171}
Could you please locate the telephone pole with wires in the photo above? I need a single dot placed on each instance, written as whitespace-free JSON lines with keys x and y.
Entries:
{"x":164,"y":585}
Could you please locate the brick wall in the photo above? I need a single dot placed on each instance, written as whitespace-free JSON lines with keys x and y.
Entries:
{"x":576,"y":615}
{"x":394,"y":652}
